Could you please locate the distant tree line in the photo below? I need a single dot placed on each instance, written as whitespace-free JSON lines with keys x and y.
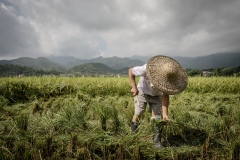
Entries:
{"x":7,"y":70}
{"x":220,"y":71}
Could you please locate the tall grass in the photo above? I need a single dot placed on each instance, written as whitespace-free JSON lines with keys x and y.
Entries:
{"x":228,"y":85}
{"x":89,"y":118}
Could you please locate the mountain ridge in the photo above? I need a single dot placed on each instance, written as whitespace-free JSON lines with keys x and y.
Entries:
{"x":40,"y":63}
{"x":223,"y":59}
{"x":113,"y":62}
{"x":64,"y":63}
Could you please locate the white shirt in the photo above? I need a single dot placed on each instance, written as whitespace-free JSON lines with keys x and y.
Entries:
{"x":144,"y":85}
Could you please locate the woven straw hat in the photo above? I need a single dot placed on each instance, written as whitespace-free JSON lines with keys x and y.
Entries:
{"x":167,"y":74}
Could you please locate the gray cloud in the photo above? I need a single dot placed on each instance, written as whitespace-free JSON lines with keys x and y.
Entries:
{"x":17,"y":36}
{"x":88,"y":29}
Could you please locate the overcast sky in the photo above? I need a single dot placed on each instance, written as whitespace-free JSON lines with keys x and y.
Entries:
{"x":93,"y":28}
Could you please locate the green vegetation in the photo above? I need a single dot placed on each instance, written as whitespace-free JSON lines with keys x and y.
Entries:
{"x":7,"y":70}
{"x":89,"y":118}
{"x":92,"y":68}
{"x":88,"y":69}
{"x":99,"y":69}
{"x":216,"y":72}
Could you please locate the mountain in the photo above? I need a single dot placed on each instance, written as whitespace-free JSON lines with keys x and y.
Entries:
{"x":230,"y":59}
{"x":211,"y":61}
{"x":7,"y":70}
{"x":38,"y":63}
{"x":117,"y":63}
{"x":92,"y":68}
{"x":13,"y":70}
{"x":113,"y":62}
{"x":141,"y":58}
{"x":66,"y":62}
{"x":63,"y":60}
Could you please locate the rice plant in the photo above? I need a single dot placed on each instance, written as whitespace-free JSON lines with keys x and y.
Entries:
{"x":89,"y":118}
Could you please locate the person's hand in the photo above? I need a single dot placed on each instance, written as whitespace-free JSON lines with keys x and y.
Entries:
{"x":166,"y":118}
{"x":134,"y":91}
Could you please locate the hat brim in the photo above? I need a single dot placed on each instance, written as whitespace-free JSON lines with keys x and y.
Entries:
{"x":157,"y":75}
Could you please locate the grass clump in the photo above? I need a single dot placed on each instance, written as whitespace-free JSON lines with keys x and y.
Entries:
{"x":90,"y":118}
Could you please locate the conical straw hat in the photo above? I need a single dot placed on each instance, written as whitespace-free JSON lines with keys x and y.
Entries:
{"x":167,"y":74}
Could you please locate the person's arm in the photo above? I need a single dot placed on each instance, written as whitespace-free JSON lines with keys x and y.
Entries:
{"x":165,"y":103}
{"x":134,"y":89}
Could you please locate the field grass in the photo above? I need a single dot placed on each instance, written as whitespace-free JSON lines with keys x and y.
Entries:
{"x":89,"y":118}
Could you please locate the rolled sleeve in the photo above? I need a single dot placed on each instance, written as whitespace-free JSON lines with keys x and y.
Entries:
{"x":139,"y":70}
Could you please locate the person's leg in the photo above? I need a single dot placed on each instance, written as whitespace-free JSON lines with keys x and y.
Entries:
{"x":155,"y":104}
{"x":140,"y":107}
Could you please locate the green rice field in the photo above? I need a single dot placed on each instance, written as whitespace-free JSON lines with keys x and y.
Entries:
{"x":90,"y":118}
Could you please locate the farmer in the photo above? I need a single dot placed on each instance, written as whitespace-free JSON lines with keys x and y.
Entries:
{"x":160,"y":77}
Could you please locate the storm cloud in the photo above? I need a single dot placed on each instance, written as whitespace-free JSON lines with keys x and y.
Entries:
{"x":88,"y":29}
